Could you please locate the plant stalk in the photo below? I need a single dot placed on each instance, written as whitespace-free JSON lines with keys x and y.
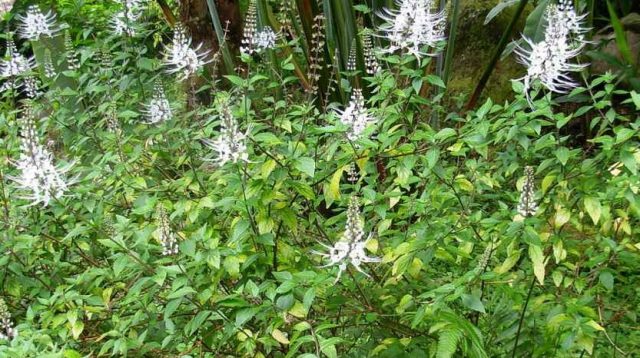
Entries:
{"x":524,"y":310}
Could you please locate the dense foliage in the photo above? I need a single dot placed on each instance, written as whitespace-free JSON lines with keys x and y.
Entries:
{"x":196,"y":226}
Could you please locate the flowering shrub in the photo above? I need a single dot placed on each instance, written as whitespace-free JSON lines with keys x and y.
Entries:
{"x":297,"y":215}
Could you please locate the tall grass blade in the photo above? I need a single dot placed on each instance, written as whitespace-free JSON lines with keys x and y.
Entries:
{"x":229,"y":64}
{"x":504,"y":40}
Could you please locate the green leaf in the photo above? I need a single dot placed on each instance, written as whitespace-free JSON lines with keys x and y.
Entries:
{"x":536,"y":23}
{"x":306,"y":165}
{"x":436,"y":81}
{"x":606,"y":279}
{"x":448,"y":342}
{"x":473,"y":302}
{"x":283,"y":303}
{"x":181,"y":293}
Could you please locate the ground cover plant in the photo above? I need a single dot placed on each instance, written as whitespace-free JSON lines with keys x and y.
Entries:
{"x":294,"y":179}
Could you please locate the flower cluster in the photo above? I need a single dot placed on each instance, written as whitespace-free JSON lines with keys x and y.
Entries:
{"x":254,"y":40}
{"x":73,"y":62}
{"x":35,"y":23}
{"x":316,"y":56}
{"x":527,"y":205}
{"x":181,"y":57}
{"x":38,"y":174}
{"x":230,"y":145}
{"x":165,"y":234}
{"x":7,"y":331}
{"x":351,"y":247}
{"x":158,"y":109}
{"x":413,"y":26}
{"x":356,"y":116}
{"x":548,"y":61}
{"x":49,"y":68}
{"x":123,"y":23}
{"x":371,"y":64}
{"x":248,"y":44}
{"x":266,"y":39}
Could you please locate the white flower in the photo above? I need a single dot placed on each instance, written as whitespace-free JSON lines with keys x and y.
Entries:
{"x":254,"y":41}
{"x":350,"y":249}
{"x":549,"y":61}
{"x":356,"y":116}
{"x":158,"y":109}
{"x":413,"y":26}
{"x":266,"y":39}
{"x":166,"y":236}
{"x":35,"y":24}
{"x":124,"y":21}
{"x":7,"y":330}
{"x":15,"y":63}
{"x":30,"y":84}
{"x":38,"y":174}
{"x":181,"y":57}
{"x":527,"y":205}
{"x":230,"y":145}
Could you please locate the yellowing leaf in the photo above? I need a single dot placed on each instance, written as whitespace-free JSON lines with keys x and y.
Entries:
{"x":508,"y":263}
{"x":298,"y":310}
{"x":537,"y":259}
{"x":593,"y":324}
{"x":268,"y":167}
{"x":594,"y":209}
{"x":279,"y":336}
{"x":415,"y":267}
{"x":562,"y":217}
{"x":372,"y":245}
{"x":333,"y":192}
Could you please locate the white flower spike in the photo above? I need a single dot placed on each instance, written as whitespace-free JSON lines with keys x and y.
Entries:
{"x":35,"y":23}
{"x":549,"y":61}
{"x":350,"y":249}
{"x":158,"y":109}
{"x":415,"y":25}
{"x":230,"y":146}
{"x":124,"y":21}
{"x":181,"y":58}
{"x":7,"y":330}
{"x":15,"y":63}
{"x":38,"y":174}
{"x":356,"y":116}
{"x":166,"y":236}
{"x":527,"y":205}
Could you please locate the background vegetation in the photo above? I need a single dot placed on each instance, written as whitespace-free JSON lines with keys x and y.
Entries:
{"x":438,"y":176}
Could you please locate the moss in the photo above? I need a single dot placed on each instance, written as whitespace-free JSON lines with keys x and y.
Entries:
{"x":475,"y":45}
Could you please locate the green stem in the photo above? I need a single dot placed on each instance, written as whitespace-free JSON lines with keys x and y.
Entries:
{"x":524,"y":310}
{"x":506,"y":35}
